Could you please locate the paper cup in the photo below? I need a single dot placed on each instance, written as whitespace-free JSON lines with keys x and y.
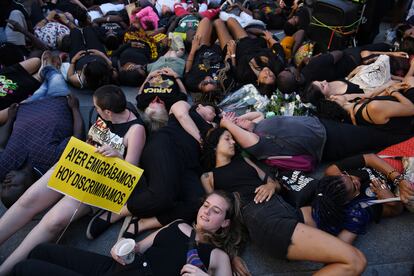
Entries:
{"x":125,"y":250}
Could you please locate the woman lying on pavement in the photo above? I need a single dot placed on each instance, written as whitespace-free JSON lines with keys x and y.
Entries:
{"x":273,"y":224}
{"x":126,"y":134}
{"x":217,"y":234}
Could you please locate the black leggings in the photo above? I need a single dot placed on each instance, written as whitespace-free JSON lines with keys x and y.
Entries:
{"x":84,"y":39}
{"x":168,"y":189}
{"x":52,"y":259}
{"x":345,"y":140}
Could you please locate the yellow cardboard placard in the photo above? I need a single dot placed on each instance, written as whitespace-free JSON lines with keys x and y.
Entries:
{"x":104,"y":182}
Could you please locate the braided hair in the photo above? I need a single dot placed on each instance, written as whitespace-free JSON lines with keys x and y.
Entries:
{"x":328,"y":207}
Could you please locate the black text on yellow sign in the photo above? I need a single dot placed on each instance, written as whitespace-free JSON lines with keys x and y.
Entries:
{"x":91,"y":178}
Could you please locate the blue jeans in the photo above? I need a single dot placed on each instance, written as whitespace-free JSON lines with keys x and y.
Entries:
{"x":54,"y":85}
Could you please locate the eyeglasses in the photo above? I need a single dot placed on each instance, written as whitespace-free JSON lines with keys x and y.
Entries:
{"x":356,"y":190}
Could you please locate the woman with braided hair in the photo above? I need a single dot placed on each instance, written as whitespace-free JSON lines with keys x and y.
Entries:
{"x":273,"y":224}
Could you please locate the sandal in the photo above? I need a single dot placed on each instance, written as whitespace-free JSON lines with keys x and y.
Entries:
{"x":97,"y":225}
{"x":123,"y":233}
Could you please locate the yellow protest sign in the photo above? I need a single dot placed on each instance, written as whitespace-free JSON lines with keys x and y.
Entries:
{"x":104,"y":182}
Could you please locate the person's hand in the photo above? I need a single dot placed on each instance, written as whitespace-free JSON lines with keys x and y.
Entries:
{"x":191,"y":270}
{"x":73,"y":101}
{"x":267,"y":36}
{"x":15,"y":26}
{"x":169,"y":72}
{"x":51,"y":15}
{"x":380,"y":188}
{"x":196,"y":43}
{"x":400,"y":54}
{"x":78,"y":55}
{"x":265,"y":192}
{"x":116,"y":257}
{"x":154,"y":74}
{"x":231,"y":116}
{"x":406,"y":191}
{"x":239,"y":267}
{"x":107,"y":151}
{"x":282,"y":4}
{"x":96,"y":52}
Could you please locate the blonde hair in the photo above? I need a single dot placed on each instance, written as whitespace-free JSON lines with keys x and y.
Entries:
{"x":157,"y":117}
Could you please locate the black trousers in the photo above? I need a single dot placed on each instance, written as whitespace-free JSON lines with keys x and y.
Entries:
{"x":52,"y":259}
{"x":344,"y":140}
{"x":169,"y":189}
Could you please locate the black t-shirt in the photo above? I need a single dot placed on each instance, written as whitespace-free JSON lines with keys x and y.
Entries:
{"x":16,"y":85}
{"x":323,"y":68}
{"x":168,"y":253}
{"x":108,"y":28}
{"x":298,"y":189}
{"x":207,"y":61}
{"x":163,"y":86}
{"x":237,"y":176}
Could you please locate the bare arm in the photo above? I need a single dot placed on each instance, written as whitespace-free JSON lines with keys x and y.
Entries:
{"x":135,"y":141}
{"x":180,"y":110}
{"x":382,"y":111}
{"x":220,"y":263}
{"x":254,"y":116}
{"x":207,"y":182}
{"x":243,"y":137}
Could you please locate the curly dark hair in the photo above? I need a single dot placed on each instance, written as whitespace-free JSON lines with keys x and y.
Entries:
{"x":328,"y":206}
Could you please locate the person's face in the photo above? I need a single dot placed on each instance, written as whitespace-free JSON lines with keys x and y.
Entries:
{"x":207,"y":112}
{"x":266,"y":76}
{"x":409,"y":33}
{"x":352,"y":185}
{"x":157,"y":104}
{"x":104,"y":114}
{"x":323,"y":86}
{"x":212,"y":214}
{"x":226,"y":145}
{"x":208,"y":85}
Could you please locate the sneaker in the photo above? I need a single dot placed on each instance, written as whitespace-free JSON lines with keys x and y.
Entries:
{"x":97,"y":225}
{"x":128,"y":221}
{"x":46,"y":60}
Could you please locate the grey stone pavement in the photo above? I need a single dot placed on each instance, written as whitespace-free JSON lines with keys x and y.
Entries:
{"x":388,"y":246}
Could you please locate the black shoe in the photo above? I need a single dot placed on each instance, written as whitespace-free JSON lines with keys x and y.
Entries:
{"x":123,"y":233}
{"x":97,"y":225}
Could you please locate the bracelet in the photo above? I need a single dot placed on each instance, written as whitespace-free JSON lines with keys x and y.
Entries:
{"x":264,"y":181}
{"x":233,"y":55}
{"x":398,"y":179}
{"x":391,"y":172}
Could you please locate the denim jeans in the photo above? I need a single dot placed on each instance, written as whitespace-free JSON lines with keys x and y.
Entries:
{"x":54,"y":85}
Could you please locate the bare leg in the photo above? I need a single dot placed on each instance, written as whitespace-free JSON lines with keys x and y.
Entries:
{"x":222,"y":32}
{"x":7,"y":128}
{"x":204,"y":31}
{"x":36,"y":199}
{"x":48,"y":228}
{"x":236,"y":29}
{"x":311,"y":244}
{"x":31,"y":65}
